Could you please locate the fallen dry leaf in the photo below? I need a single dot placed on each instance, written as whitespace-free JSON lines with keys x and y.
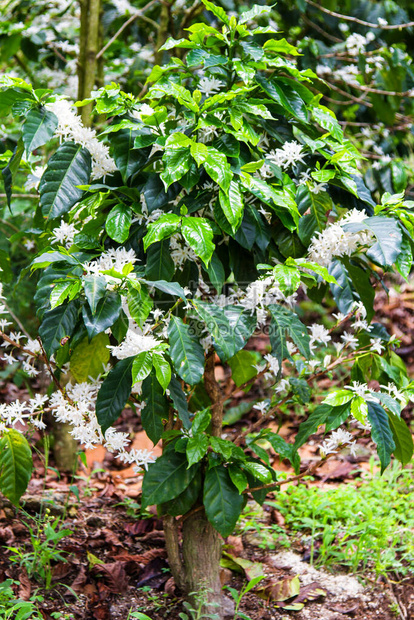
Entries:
{"x":116,"y":575}
{"x":25,"y":588}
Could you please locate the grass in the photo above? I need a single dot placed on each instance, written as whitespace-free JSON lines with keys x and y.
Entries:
{"x":363,"y":526}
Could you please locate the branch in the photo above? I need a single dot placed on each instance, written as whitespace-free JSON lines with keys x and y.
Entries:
{"x":129,"y":21}
{"x":355,"y":20}
{"x":20,"y":196}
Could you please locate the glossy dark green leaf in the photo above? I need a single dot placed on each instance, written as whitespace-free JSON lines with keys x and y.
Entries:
{"x":107,"y":312}
{"x":318,"y":416}
{"x":10,"y":171}
{"x":164,"y":227}
{"x":156,"y":408}
{"x":142,"y":366}
{"x":186,"y":352}
{"x":114,"y":393}
{"x":160,"y":265}
{"x":403,"y":439}
{"x":38,"y":128}
{"x":69,"y":167}
{"x":139,"y":304}
{"x":286,"y":323}
{"x":118,"y":223}
{"x":16,"y":464}
{"x":381,"y":433}
{"x":196,"y":448}
{"x":128,"y":160}
{"x":177,"y":163}
{"x":58,"y":324}
{"x":95,"y":288}
{"x":166,"y":479}
{"x":284,"y":449}
{"x":198,"y":233}
{"x":186,"y":500}
{"x":222,"y":501}
{"x":179,"y":399}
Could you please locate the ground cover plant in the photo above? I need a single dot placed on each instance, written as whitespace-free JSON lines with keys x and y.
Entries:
{"x":193,"y":218}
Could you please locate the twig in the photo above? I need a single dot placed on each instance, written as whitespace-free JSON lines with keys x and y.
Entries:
{"x":124,"y":25}
{"x":17,"y":345}
{"x":362,"y":22}
{"x":20,"y":196}
{"x":52,"y":374}
{"x":320,"y":30}
{"x":16,"y":320}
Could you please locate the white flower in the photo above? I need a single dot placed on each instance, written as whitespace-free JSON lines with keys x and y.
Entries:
{"x":337,"y":438}
{"x":290,"y":154}
{"x":360,"y":389}
{"x":335,"y":241}
{"x":133,"y":344}
{"x":356,"y":43}
{"x":376,"y":345}
{"x":349,"y":340}
{"x":273,"y":362}
{"x":210,"y":86}
{"x":319,"y":333}
{"x":262,"y":406}
{"x":382,"y":22}
{"x":70,"y":127}
{"x":64,"y":234}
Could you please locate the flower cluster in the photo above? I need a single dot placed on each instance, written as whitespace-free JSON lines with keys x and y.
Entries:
{"x":338,"y":438}
{"x":334,"y":241}
{"x":70,"y":127}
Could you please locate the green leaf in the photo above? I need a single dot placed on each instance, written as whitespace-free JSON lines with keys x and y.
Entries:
{"x":38,"y":128}
{"x":222,"y":501}
{"x":284,"y":449}
{"x":232,"y":204}
{"x":389,"y":238}
{"x":286,"y":323}
{"x":162,"y":370}
{"x":185,"y":501}
{"x":118,"y":223}
{"x":95,"y":289}
{"x":216,"y":273}
{"x":107,"y":312}
{"x":61,"y":291}
{"x":359,"y":409}
{"x":142,"y":366}
{"x":217,"y":11}
{"x":318,"y":416}
{"x":338,"y":398}
{"x":179,"y":399}
{"x":337,"y":417}
{"x":114,"y":393}
{"x":381,"y":433}
{"x":177,"y":163}
{"x":167,"y":478}
{"x":10,"y":171}
{"x":57,"y":324}
{"x":326,"y":119}
{"x":139,"y":304}
{"x":319,"y":204}
{"x":16,"y":465}
{"x":238,"y":478}
{"x":160,"y":265}
{"x":156,"y":408}
{"x":186,"y":352}
{"x":219,"y":328}
{"x":196,"y":448}
{"x":201,"y":421}
{"x":402,"y":438}
{"x":164,"y":227}
{"x":243,"y":367}
{"x":214,"y":162}
{"x":280,"y":46}
{"x":198,"y":233}
{"x":69,"y":167}
{"x":258,"y":471}
{"x":128,"y":160}
{"x":89,"y":358}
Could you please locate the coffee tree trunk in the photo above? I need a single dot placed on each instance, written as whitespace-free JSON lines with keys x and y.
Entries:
{"x":89,"y":44}
{"x":195,"y":564}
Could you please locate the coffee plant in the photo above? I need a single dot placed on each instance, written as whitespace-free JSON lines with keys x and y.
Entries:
{"x":192,"y":218}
